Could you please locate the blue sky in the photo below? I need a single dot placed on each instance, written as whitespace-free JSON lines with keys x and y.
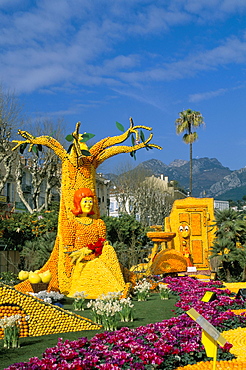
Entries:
{"x":99,"y":62}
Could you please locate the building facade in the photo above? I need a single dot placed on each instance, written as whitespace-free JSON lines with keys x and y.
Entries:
{"x":11,"y":202}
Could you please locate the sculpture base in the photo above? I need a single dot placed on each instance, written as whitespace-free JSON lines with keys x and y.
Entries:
{"x":38,"y":287}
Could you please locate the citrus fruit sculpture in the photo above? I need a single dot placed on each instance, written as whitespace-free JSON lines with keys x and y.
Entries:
{"x":81,"y":258}
{"x":38,"y":317}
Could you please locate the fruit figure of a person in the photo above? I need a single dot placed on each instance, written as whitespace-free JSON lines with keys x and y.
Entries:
{"x":78,"y":170}
{"x":96,"y":269}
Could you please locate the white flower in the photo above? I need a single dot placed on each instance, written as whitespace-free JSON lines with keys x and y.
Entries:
{"x":163,"y":286}
{"x":126,"y":302}
{"x":109,"y":296}
{"x":48,"y":297}
{"x":142,"y":286}
{"x":9,"y":321}
{"x":80,"y":295}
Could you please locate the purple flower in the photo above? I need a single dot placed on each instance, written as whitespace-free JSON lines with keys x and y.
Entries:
{"x":149,"y":345}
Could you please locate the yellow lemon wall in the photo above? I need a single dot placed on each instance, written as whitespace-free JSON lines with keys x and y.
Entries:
{"x":198,"y":214}
{"x":45,"y":318}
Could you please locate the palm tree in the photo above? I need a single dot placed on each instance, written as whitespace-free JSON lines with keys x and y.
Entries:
{"x":189,"y":119}
{"x":229,"y":245}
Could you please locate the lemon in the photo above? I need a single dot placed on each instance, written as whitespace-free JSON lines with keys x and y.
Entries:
{"x":34,"y":278}
{"x":23,"y":275}
{"x":45,"y":276}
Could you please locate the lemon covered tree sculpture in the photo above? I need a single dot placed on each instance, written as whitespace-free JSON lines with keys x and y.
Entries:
{"x":79,"y":165}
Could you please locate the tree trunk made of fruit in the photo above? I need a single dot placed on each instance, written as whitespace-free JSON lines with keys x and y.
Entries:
{"x":78,"y":171}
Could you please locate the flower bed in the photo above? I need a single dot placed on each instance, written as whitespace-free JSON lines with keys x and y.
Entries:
{"x":164,"y":345}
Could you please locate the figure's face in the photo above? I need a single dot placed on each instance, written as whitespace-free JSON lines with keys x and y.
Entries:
{"x":184,"y":230}
{"x":86,"y":204}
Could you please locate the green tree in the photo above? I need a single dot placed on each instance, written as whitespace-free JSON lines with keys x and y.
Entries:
{"x":229,"y":244}
{"x":129,"y":239}
{"x":187,"y":121}
{"x":22,"y":227}
{"x":35,"y":252}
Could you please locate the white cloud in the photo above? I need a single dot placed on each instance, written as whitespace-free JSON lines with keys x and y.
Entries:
{"x":61,"y":41}
{"x":194,"y":98}
{"x":155,"y":19}
{"x":145,"y":97}
{"x":209,"y":10}
{"x":231,"y":51}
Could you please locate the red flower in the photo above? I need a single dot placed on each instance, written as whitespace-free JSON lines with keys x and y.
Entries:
{"x":97,"y":246}
{"x":227,"y":347}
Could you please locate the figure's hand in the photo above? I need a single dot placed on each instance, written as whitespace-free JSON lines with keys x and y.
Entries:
{"x":79,"y":255}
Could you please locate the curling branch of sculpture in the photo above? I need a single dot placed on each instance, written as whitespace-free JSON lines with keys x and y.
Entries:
{"x":47,"y":141}
{"x":114,"y":150}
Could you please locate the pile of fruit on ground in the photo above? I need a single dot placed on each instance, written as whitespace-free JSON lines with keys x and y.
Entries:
{"x":44,"y":318}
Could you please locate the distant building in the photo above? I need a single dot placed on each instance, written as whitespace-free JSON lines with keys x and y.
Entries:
{"x":10,"y":201}
{"x":9,"y":198}
{"x":115,"y":207}
{"x":102,"y":188}
{"x":167,"y":186}
{"x":220,"y":205}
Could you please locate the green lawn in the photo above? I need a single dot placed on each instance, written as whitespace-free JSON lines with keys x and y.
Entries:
{"x":151,"y":311}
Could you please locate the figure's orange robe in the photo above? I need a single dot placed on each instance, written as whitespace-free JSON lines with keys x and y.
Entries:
{"x":97,"y":276}
{"x":77,"y":235}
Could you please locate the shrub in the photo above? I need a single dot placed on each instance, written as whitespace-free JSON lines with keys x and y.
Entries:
{"x":37,"y":251}
{"x":129,"y":239}
{"x":229,"y":245}
{"x":8,"y":277}
{"x":22,"y":227}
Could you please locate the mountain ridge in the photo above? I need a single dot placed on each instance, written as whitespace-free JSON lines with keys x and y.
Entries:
{"x":210,"y":177}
